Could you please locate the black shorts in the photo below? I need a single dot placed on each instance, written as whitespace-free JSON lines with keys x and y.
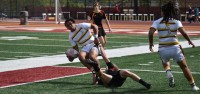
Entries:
{"x":101,"y":32}
{"x":117,"y":80}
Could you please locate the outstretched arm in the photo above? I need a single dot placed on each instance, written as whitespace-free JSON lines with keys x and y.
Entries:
{"x":108,"y":24}
{"x":89,"y":18}
{"x":185,"y":35}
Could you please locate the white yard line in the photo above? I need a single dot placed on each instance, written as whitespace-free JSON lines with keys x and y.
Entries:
{"x":155,"y":71}
{"x":10,"y":65}
{"x":40,"y":45}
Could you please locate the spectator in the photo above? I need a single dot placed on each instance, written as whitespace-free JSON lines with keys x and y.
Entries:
{"x":196,"y":14}
{"x":189,"y":16}
{"x":116,"y":9}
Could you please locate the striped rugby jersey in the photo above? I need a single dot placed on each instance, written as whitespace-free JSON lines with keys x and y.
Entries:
{"x":167,"y":32}
{"x":81,"y":35}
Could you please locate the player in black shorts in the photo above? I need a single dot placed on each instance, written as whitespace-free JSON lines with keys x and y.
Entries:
{"x":115,"y":77}
{"x":96,"y":17}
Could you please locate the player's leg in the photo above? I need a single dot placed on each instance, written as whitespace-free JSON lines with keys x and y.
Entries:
{"x":133,"y":76}
{"x":165,"y":55}
{"x":93,"y":54}
{"x":187,"y":73}
{"x":105,"y":40}
{"x":102,"y":41}
{"x":104,"y":37}
{"x":86,"y":52}
{"x":167,"y":68}
{"x":101,"y":36}
{"x":170,"y":76}
{"x":82,"y":58}
{"x":104,"y":77}
{"x":105,"y":58}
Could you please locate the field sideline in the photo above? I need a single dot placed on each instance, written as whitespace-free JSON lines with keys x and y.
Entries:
{"x":8,"y":65}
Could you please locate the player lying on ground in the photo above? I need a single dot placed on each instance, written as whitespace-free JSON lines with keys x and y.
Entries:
{"x":115,"y":77}
{"x":81,"y":34}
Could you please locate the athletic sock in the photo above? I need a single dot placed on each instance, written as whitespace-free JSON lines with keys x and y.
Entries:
{"x":96,"y":68}
{"x":93,"y":64}
{"x":110,"y":65}
{"x":193,"y":84}
{"x":169,"y":73}
{"x":148,"y":86}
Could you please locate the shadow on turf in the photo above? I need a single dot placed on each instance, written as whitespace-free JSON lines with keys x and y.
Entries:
{"x":82,"y":85}
{"x":142,"y":91}
{"x":64,"y":83}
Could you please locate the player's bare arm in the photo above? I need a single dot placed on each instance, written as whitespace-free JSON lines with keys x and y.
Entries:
{"x":150,"y":34}
{"x":95,"y":30}
{"x":108,"y":24}
{"x":185,"y":35}
{"x":76,"y":48}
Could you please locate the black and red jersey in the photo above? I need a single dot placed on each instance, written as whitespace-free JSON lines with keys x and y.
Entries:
{"x":97,"y":18}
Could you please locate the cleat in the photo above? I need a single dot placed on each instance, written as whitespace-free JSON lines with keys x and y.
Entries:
{"x":195,"y":88}
{"x":171,"y":82}
{"x":93,"y":64}
{"x":148,"y":86}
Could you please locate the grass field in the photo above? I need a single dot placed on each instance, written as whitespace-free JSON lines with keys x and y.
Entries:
{"x":16,"y":45}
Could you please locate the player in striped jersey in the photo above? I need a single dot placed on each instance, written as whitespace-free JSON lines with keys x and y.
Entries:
{"x":169,"y":47}
{"x":82,"y":35}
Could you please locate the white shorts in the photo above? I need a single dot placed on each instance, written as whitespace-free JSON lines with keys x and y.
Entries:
{"x":171,"y":52}
{"x":88,"y":47}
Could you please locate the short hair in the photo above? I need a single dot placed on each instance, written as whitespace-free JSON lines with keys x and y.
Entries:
{"x":70,"y":19}
{"x":96,"y":4}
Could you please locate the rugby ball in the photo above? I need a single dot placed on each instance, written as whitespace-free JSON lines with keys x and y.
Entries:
{"x":72,"y":53}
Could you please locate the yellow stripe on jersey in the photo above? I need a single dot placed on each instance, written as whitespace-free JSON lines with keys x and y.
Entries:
{"x":162,"y":29}
{"x":76,"y":33}
{"x":86,"y":39}
{"x":173,"y":30}
{"x":167,"y":23}
{"x":167,"y":36}
{"x":169,"y":43}
{"x":82,"y":35}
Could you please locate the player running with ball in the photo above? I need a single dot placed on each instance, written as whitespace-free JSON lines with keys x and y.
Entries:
{"x":81,"y":34}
